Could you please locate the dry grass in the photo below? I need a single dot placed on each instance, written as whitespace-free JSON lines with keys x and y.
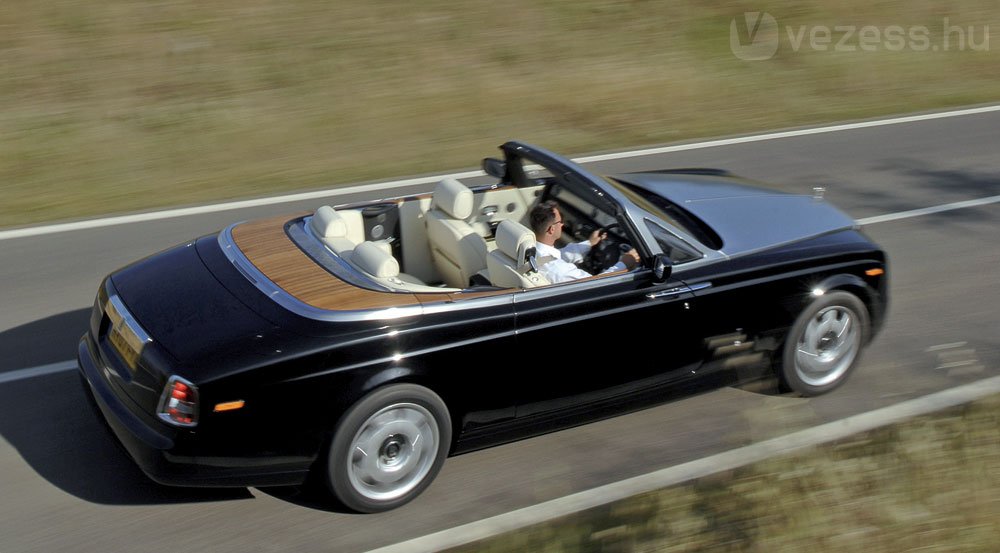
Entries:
{"x":120,"y":106}
{"x":930,"y":484}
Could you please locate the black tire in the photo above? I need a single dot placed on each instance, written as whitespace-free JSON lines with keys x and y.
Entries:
{"x":824,"y":344}
{"x":387,"y":448}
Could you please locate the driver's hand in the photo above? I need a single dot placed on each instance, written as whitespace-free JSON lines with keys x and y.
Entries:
{"x":630,"y":259}
{"x":597,"y":236}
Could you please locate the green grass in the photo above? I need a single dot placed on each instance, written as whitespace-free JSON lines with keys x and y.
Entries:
{"x":928,"y":484}
{"x":121,"y":106}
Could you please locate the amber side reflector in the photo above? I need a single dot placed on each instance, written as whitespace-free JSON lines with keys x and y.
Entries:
{"x":874,"y":272}
{"x":229,"y":406}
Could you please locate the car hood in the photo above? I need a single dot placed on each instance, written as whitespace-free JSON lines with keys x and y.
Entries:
{"x":746,"y":217}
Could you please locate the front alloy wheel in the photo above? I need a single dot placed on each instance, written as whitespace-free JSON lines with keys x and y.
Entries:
{"x":824,"y":344}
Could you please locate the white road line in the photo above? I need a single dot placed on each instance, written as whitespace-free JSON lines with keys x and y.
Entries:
{"x":535,"y":514}
{"x":789,"y":134}
{"x":951,"y":345}
{"x":928,"y":210}
{"x":228,"y":206}
{"x":23,"y":374}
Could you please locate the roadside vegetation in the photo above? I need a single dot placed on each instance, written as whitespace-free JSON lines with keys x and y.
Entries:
{"x":121,"y":106}
{"x":928,"y":484}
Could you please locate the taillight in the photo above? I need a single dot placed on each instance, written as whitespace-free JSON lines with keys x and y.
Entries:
{"x":179,"y":402}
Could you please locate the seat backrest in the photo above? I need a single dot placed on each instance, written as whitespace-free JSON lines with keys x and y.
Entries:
{"x":508,"y":265}
{"x":457,"y":249}
{"x":374,"y":260}
{"x":331,"y":228}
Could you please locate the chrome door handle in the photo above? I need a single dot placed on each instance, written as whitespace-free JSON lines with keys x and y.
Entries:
{"x":668,"y":292}
{"x":676,"y":291}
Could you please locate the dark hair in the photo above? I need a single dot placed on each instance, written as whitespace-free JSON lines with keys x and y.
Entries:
{"x":542,"y":215}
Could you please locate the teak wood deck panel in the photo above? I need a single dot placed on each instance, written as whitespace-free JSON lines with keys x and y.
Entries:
{"x":265,"y":243}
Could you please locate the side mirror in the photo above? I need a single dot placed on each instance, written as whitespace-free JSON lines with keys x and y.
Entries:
{"x":495,"y":167}
{"x":662,"y":267}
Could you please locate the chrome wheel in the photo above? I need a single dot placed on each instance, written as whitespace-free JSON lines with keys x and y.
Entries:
{"x":824,"y":344}
{"x":828,"y":346}
{"x":393,"y":451}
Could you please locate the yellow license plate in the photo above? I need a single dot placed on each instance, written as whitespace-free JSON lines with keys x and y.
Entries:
{"x":127,"y":345}
{"x":126,"y":342}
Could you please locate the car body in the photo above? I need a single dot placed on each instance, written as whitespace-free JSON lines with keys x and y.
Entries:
{"x":294,"y":346}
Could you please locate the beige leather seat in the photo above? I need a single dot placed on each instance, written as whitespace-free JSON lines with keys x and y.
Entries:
{"x":372,"y":259}
{"x":331,"y":228}
{"x":457,"y":250}
{"x":508,"y":265}
{"x":341,"y":231}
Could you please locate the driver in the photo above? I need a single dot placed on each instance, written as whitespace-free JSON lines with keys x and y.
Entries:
{"x":546,"y":222}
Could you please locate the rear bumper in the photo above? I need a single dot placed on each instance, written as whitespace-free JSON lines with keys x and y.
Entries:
{"x":156,"y":450}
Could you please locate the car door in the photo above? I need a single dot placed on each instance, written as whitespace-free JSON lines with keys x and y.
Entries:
{"x":603,"y":339}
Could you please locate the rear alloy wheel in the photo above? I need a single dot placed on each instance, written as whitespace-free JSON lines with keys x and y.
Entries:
{"x":824,"y":344}
{"x":388,"y":448}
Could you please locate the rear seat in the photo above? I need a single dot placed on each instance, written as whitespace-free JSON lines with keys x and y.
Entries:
{"x":372,"y":259}
{"x":331,"y":227}
{"x":341,"y":231}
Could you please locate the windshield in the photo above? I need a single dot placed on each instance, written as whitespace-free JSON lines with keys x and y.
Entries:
{"x":670,"y":212}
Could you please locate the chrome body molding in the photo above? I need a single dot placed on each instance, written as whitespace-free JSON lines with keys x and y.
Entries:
{"x":127,"y":318}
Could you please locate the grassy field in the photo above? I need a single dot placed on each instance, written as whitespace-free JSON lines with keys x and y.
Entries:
{"x":929,"y":484}
{"x":121,"y":106}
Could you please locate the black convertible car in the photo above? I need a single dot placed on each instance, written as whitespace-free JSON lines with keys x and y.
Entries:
{"x":356,"y":347}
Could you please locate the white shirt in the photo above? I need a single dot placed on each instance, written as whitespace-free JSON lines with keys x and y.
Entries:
{"x":561,"y":268}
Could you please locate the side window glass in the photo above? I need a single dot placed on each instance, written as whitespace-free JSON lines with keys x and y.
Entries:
{"x":678,"y":250}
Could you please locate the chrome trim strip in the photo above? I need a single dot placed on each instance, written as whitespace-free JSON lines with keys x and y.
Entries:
{"x":573,"y":286}
{"x":471,"y":303}
{"x":127,"y":318}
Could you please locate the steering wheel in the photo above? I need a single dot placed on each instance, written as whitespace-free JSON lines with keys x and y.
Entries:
{"x":605,"y":254}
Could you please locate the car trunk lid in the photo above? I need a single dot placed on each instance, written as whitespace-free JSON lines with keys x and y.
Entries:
{"x":196,"y":328}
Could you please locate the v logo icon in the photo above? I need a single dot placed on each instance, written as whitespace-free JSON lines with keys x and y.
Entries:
{"x":754,"y":38}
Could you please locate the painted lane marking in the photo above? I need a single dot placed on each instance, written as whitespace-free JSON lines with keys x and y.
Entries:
{"x":951,"y":345}
{"x":788,"y":134}
{"x":228,"y":206}
{"x":956,"y":360}
{"x":728,"y":460}
{"x":43,"y":370}
{"x":928,"y":210}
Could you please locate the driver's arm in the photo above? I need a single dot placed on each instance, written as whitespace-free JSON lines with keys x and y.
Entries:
{"x":574,"y":253}
{"x":628,"y":261}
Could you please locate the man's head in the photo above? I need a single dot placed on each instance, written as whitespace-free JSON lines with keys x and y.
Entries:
{"x":546,"y":222}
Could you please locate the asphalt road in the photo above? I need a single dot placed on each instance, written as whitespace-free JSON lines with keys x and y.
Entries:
{"x":67,"y":487}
